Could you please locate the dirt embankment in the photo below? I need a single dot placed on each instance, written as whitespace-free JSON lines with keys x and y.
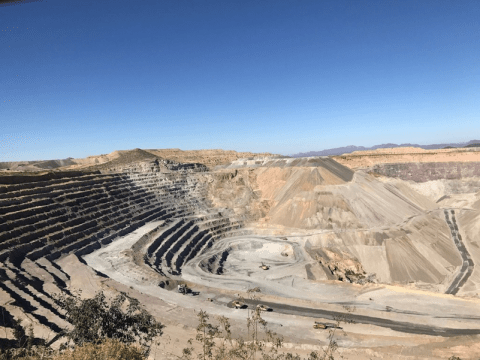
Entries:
{"x":365,"y":159}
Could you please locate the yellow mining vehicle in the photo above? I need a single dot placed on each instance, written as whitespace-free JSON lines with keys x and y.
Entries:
{"x":264,"y":267}
{"x":238,"y":304}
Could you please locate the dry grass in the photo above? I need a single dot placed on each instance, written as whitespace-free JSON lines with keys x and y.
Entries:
{"x":107,"y":350}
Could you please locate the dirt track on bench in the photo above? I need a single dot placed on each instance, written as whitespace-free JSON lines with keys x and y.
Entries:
{"x":467,"y":266}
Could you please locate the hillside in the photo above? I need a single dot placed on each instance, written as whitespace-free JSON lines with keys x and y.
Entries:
{"x":351,"y":148}
{"x":120,"y":158}
{"x":366,"y":159}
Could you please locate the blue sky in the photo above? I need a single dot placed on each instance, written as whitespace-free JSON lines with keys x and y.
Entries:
{"x":80,"y":78}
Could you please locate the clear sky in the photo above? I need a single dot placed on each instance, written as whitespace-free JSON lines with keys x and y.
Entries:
{"x":81,"y":78}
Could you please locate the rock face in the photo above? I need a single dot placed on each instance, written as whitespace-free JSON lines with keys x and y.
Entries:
{"x":77,"y":212}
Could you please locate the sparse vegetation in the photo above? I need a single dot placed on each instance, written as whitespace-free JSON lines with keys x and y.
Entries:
{"x":120,"y":329}
{"x":108,"y":349}
{"x":216,"y":342}
{"x":123,"y":319}
{"x":262,"y":343}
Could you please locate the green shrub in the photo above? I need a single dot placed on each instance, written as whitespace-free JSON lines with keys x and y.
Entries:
{"x":95,"y":320}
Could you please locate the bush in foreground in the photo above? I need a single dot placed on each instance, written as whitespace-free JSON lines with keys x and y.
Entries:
{"x":123,"y":319}
{"x":118,"y":329}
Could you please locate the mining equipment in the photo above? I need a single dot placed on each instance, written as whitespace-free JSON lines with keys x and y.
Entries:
{"x":182,"y":289}
{"x":238,"y":304}
{"x":321,"y":325}
{"x":262,"y":307}
{"x":264,"y":267}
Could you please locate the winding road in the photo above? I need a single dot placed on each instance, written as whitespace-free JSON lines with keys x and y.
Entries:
{"x":467,"y":265}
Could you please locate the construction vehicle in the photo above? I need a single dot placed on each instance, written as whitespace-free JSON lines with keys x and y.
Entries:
{"x":321,"y":325}
{"x":182,"y":289}
{"x":264,"y":267}
{"x":262,"y":307}
{"x":238,"y":304}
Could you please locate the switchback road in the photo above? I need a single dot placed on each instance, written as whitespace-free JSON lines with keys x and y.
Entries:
{"x":467,"y":265}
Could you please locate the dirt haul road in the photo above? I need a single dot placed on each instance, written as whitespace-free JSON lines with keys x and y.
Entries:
{"x":467,"y":267}
{"x":405,"y":327}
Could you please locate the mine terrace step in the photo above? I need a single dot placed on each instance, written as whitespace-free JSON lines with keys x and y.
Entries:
{"x":37,"y":184}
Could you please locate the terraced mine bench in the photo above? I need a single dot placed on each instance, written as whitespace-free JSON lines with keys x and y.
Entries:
{"x":44,"y":218}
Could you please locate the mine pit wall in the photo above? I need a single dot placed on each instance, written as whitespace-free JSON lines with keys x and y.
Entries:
{"x":422,"y":172}
{"x":48,"y":216}
{"x":80,"y":213}
{"x":54,"y":215}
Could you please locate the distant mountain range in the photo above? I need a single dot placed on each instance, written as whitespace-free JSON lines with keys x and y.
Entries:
{"x":352,"y":148}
